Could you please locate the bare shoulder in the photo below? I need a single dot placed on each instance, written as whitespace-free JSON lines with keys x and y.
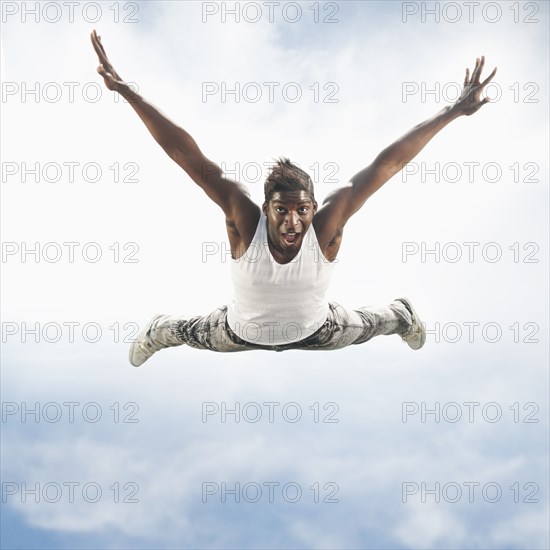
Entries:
{"x":331,"y":216}
{"x":241,"y":224}
{"x":329,"y":232}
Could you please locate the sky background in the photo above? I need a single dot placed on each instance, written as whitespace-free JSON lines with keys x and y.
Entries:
{"x":146,"y":240}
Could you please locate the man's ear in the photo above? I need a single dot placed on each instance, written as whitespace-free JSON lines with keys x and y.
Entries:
{"x":315,"y":207}
{"x":264,"y":208}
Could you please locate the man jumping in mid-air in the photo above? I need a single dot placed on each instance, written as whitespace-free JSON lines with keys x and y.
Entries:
{"x":283,"y":253}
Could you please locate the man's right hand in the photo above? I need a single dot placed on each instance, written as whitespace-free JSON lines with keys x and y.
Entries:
{"x":112,"y":79}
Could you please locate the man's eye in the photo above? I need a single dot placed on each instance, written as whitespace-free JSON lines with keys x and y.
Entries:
{"x":280,"y":209}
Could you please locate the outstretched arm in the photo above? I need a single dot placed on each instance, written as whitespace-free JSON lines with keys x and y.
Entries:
{"x":177,"y":143}
{"x":340,"y":205}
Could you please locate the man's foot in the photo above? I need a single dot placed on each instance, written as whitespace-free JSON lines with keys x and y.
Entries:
{"x":148,"y":342}
{"x":416,"y":335}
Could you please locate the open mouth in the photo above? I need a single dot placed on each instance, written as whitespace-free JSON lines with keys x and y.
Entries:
{"x":290,"y":237}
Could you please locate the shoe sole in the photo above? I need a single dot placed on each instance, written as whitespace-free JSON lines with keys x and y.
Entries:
{"x":418,"y":322}
{"x":138,"y":338}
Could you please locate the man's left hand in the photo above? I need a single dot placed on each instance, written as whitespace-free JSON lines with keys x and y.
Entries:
{"x":470,"y":100}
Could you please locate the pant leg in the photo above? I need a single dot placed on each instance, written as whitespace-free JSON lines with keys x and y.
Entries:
{"x":345,"y":327}
{"x":210,"y":332}
{"x":394,"y":318}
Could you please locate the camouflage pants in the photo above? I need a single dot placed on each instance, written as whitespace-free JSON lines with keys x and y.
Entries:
{"x":343,"y":327}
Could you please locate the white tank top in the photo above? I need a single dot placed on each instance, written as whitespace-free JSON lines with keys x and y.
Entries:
{"x":276,"y":303}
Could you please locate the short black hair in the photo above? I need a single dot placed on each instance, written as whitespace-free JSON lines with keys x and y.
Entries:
{"x":286,"y":176}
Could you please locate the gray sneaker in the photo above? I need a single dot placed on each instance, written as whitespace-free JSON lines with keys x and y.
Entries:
{"x":152,"y":339}
{"x":415,"y":337}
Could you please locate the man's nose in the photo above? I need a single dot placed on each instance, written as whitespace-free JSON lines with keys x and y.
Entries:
{"x":292,"y":219}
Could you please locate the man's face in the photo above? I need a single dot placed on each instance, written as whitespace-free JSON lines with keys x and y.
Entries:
{"x":289,"y":215}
